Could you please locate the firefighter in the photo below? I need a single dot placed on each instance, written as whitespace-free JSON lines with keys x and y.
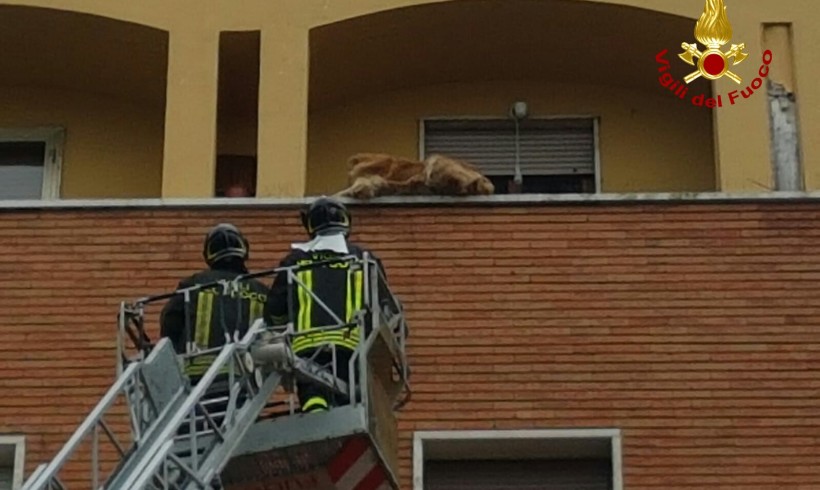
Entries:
{"x":215,"y":315}
{"x":327,"y":222}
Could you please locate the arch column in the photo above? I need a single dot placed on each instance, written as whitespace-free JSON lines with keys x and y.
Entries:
{"x":283,"y":112}
{"x":742,"y":138}
{"x":188,"y":169}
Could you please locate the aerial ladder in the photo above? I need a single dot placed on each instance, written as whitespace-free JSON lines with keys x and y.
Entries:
{"x":214,"y":434}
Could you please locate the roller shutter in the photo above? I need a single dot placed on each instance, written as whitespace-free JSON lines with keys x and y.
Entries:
{"x":22,"y":170}
{"x":547,"y":146}
{"x":6,"y":475}
{"x":577,"y":474}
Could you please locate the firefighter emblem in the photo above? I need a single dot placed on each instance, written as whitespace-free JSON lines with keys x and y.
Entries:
{"x":713,"y":30}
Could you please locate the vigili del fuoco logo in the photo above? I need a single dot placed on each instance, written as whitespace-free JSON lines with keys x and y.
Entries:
{"x":713,"y":31}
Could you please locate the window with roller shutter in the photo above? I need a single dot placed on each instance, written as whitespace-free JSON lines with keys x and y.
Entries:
{"x":549,"y":459}
{"x":557,"y":155}
{"x":12,"y":459}
{"x":30,"y":163}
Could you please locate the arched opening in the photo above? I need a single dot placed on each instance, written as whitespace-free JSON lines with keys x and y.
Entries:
{"x":83,"y":97}
{"x":384,"y":82}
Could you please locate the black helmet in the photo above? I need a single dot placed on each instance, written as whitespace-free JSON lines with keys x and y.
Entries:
{"x":326,"y":214}
{"x":223,"y":241}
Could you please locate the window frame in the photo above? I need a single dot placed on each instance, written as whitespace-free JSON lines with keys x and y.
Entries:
{"x":420,"y":438}
{"x":596,"y":122}
{"x":54,"y":139}
{"x":18,"y":442}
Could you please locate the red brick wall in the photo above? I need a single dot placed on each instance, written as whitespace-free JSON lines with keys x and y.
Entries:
{"x":693,"y":328}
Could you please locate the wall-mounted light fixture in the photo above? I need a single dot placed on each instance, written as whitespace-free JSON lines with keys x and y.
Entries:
{"x":518,"y":111}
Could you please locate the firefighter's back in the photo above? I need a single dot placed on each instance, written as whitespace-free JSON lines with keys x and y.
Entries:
{"x":229,"y":307}
{"x":334,"y":283}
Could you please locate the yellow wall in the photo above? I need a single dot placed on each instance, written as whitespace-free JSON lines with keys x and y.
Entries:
{"x":106,"y":155}
{"x":630,"y":161}
{"x":193,"y":25}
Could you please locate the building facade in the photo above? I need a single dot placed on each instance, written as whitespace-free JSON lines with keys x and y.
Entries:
{"x":643,"y":315}
{"x":181,"y":99}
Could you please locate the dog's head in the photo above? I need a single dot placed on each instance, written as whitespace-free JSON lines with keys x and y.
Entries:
{"x":464,"y":185}
{"x":450,"y":176}
{"x":481,"y":187}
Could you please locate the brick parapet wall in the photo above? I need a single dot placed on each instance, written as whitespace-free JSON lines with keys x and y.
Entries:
{"x":691,"y":327}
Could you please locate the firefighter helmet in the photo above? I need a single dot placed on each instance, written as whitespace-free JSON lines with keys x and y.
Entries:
{"x":326,"y":214}
{"x":223,"y":241}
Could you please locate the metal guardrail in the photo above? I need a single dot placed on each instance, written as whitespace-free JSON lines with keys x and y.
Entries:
{"x":381,"y":306}
{"x":209,"y":449}
{"x":146,"y":407}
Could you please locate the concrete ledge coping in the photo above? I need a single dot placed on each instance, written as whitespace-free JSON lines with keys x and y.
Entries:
{"x":419,"y":201}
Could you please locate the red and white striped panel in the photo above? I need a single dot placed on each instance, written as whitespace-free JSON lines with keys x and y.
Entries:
{"x":357,"y":467}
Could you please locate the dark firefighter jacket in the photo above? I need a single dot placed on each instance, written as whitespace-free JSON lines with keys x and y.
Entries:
{"x":341,"y":289}
{"x":213,"y":314}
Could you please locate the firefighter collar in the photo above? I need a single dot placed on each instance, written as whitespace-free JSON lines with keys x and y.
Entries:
{"x":335,"y":243}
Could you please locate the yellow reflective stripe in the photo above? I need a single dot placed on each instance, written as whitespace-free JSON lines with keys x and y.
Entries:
{"x":198,"y":365}
{"x":305,"y":300}
{"x":333,"y":337}
{"x":348,"y":299}
{"x":304,"y":345}
{"x":300,"y":293}
{"x":337,"y":338}
{"x":256,"y":309}
{"x":341,"y":334}
{"x":315,"y":401}
{"x":203,"y":319}
{"x":309,"y":299}
{"x":359,"y":289}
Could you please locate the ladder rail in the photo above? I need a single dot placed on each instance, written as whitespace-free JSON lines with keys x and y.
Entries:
{"x":160,"y":446}
{"x":148,"y":435}
{"x":147,"y":406}
{"x":245,"y":418}
{"x":87,"y":426}
{"x":234,"y":425}
{"x":140,"y":480}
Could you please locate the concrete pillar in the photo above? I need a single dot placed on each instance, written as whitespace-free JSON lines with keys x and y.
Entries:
{"x":190,"y":114}
{"x":742,"y":139}
{"x":783,"y":111}
{"x":283,"y":112}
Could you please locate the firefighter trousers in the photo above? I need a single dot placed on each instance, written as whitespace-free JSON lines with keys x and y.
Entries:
{"x":312,"y":395}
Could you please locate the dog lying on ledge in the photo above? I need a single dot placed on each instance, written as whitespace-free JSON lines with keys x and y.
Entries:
{"x":377,"y":174}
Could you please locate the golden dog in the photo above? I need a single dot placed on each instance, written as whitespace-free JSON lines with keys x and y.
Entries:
{"x":377,"y":174}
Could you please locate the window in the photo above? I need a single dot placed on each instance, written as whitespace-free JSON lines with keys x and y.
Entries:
{"x":12,"y":460}
{"x":30,"y":163}
{"x":495,"y":460}
{"x":557,"y":155}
